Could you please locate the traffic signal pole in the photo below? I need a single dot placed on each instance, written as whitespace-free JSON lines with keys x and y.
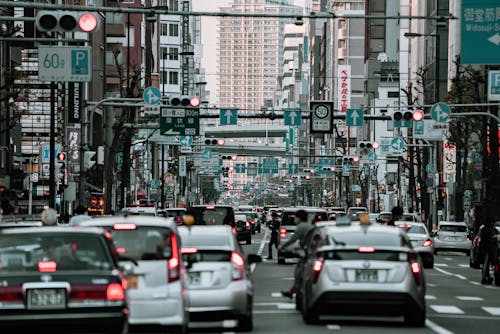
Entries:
{"x":52,"y":147}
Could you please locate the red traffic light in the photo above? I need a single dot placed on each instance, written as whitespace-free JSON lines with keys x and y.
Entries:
{"x":87,"y":22}
{"x":220,"y":141}
{"x":418,"y":115}
{"x":375,"y":145}
{"x":195,"y":101}
{"x":61,"y":156}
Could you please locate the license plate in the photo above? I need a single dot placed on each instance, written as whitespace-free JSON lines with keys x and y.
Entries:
{"x":363,"y":275}
{"x":46,"y":298}
{"x":131,"y":282}
{"x":452,"y":239}
{"x":194,"y":278}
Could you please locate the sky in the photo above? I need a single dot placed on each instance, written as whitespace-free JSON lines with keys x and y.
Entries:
{"x":209,"y":40}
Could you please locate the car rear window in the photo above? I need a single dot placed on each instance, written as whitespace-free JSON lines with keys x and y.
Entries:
{"x":415,"y":229}
{"x":213,"y":215}
{"x":76,"y":252}
{"x":347,"y":255}
{"x":143,"y":242}
{"x":452,"y":228}
{"x":203,"y":239}
{"x":208,"y":256}
{"x":374,"y":239}
{"x":240,"y":218}
{"x":289,"y":217}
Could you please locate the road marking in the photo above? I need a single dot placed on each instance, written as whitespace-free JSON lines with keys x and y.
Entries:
{"x":436,"y":328}
{"x":262,"y":243}
{"x":463,"y":316}
{"x":450,"y":274}
{"x":463,"y":265}
{"x":333,"y":327}
{"x":229,"y":323}
{"x":276,"y":294}
{"x":470,"y":298}
{"x":432,"y":285}
{"x":475,"y":283}
{"x":287,"y":278}
{"x":274,"y":311}
{"x":430,"y":297}
{"x":286,"y":306}
{"x":252,"y":267}
{"x":449,"y":309}
{"x":440,"y":265}
{"x":492,"y":310}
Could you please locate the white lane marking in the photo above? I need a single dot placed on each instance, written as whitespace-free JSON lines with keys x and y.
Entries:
{"x":440,"y":265}
{"x":492,"y":310}
{"x":475,"y":283}
{"x":333,"y":327}
{"x":229,"y":323}
{"x":449,"y":309}
{"x":252,"y":267}
{"x":470,"y":298}
{"x":276,"y":294}
{"x":274,"y":311}
{"x":430,"y":297}
{"x":463,"y":265}
{"x":262,"y":243}
{"x":287,"y":278}
{"x":432,"y":285}
{"x":448,"y":258}
{"x":436,"y":328}
{"x":450,"y":274}
{"x":286,"y":306}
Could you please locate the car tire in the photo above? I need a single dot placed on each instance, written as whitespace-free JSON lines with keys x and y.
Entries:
{"x":435,"y":252}
{"x":249,"y":241}
{"x":415,"y":318}
{"x":245,"y":323}
{"x":497,"y":280}
{"x":281,"y":260}
{"x":298,"y":301}
{"x":467,"y":253}
{"x":310,"y":316}
{"x":176,"y":329}
{"x":429,"y":264}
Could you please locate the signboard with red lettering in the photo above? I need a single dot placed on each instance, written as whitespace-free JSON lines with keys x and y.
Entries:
{"x":344,"y":88}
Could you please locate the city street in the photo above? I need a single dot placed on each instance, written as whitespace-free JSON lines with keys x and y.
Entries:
{"x":456,"y":302}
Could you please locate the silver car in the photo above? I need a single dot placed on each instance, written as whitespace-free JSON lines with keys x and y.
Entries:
{"x":452,"y":236}
{"x":219,"y":284}
{"x":421,"y":241}
{"x":156,"y":284}
{"x":365,"y":270}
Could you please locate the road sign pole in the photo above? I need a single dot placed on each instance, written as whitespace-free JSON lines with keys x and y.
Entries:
{"x":52,"y":143}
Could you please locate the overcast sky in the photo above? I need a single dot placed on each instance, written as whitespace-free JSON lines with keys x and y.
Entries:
{"x":209,"y":40}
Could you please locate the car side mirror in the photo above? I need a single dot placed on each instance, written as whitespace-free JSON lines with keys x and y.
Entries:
{"x":254,"y":258}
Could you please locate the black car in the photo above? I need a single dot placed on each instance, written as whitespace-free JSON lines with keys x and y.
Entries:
{"x":213,"y":214}
{"x":55,"y":278}
{"x":243,"y":228}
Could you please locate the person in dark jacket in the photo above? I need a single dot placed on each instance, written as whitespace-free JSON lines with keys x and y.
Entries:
{"x":488,"y":248}
{"x":397,"y":213}
{"x":274,"y":226}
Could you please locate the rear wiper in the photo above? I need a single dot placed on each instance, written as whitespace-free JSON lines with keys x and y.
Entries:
{"x":337,"y":243}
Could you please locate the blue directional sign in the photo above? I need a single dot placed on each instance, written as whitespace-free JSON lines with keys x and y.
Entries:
{"x":292,"y":117}
{"x":494,"y":85}
{"x":480,"y":33}
{"x":270,"y":166}
{"x":440,"y":112}
{"x":152,"y":96}
{"x":228,"y":116}
{"x":429,"y":168}
{"x":185,"y":141}
{"x":418,"y":128}
{"x":240,"y":168}
{"x":346,"y":168}
{"x":293,"y":168}
{"x":397,"y":144}
{"x":354,"y":117}
{"x":372,"y":157}
{"x":207,"y":154}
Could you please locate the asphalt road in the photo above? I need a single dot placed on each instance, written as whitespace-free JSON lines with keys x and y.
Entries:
{"x":456,"y":302}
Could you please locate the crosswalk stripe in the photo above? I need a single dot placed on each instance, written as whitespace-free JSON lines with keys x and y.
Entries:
{"x":464,"y":265}
{"x":470,"y":298}
{"x":333,"y":327}
{"x":492,"y":310}
{"x":430,"y":297}
{"x":440,"y":265}
{"x":276,"y":294}
{"x":449,"y":309}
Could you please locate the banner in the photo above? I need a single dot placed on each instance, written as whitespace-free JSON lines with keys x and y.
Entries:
{"x":74,"y":102}
{"x":344,"y":87}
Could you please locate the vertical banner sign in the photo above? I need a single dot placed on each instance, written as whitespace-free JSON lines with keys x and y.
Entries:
{"x":73,"y":135}
{"x":182,"y":165}
{"x":74,"y":102}
{"x":344,"y":88}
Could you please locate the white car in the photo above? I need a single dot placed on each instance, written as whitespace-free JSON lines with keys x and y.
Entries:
{"x":452,"y":236}
{"x":421,"y":241}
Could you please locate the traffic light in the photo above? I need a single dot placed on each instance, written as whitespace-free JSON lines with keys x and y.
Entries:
{"x":418,"y":115}
{"x":402,"y":118}
{"x":185,"y":101}
{"x":213,"y":141}
{"x":329,"y":169}
{"x":228,"y":157}
{"x":67,"y":21}
{"x":88,"y":163}
{"x":353,"y":159}
{"x":225,"y":171}
{"x":368,"y":145}
{"x":61,"y":157}
{"x":96,"y":204}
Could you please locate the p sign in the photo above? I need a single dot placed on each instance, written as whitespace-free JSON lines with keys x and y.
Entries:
{"x":494,"y":86}
{"x":79,"y":62}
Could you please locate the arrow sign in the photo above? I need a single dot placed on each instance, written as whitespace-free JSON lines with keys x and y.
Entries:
{"x":354,"y":117}
{"x":152,"y":95}
{"x":228,"y":116}
{"x":186,"y":140}
{"x":495,"y":39}
{"x":397,"y":144}
{"x":440,"y":112}
{"x":292,"y":117}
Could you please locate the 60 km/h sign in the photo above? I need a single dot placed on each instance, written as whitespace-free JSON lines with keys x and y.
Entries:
{"x":65,"y":63}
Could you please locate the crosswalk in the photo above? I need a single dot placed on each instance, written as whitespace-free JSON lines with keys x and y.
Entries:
{"x":462,"y":310}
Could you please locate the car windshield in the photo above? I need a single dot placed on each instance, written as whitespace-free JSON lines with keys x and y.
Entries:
{"x":211,"y":215}
{"x":453,"y":228}
{"x":289,"y":217}
{"x":143,"y":242}
{"x":240,"y":218}
{"x":359,"y":238}
{"x":52,"y":252}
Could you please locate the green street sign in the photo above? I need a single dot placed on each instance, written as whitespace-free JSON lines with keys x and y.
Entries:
{"x":293,"y":168}
{"x":354,"y":117}
{"x":239,"y":168}
{"x":292,"y":117}
{"x":180,"y":122}
{"x":228,"y":116}
{"x":270,"y":166}
{"x":480,"y":32}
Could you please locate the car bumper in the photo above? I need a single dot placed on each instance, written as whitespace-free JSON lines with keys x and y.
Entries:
{"x":426,"y":253}
{"x":164,"y":312}
{"x":218,"y":304}
{"x":244,"y":235}
{"x":452,"y":245}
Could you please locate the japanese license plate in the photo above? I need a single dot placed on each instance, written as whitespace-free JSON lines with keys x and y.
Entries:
{"x":366,"y":275}
{"x":131,"y":282}
{"x":194,"y":278}
{"x":46,"y":298}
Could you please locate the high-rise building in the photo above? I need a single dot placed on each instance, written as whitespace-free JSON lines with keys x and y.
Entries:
{"x":250,"y":53}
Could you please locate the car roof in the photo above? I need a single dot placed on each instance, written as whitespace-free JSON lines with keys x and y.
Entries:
{"x":136,"y":219}
{"x":452,"y":223}
{"x":363,"y":228}
{"x":12,"y":224}
{"x":204,"y":230}
{"x":53,"y":229}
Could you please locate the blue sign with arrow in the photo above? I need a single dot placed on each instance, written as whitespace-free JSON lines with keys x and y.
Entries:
{"x":440,"y":112}
{"x":397,"y":144}
{"x":293,"y":168}
{"x":354,"y":117}
{"x":185,"y":141}
{"x":228,"y":116}
{"x":152,"y":96}
{"x":292,"y":117}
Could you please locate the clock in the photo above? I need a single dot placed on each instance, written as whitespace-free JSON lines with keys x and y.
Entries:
{"x":321,"y":111}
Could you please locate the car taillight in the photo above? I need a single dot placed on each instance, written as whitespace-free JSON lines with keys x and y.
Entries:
{"x":238,"y":266}
{"x":10,"y":294}
{"x":47,"y":266}
{"x":124,"y":226}
{"x":247,"y":224}
{"x":497,"y":268}
{"x":282,"y":233}
{"x":366,"y":249}
{"x":115,"y":291}
{"x":252,"y":222}
{"x":233,"y":230}
{"x":173,"y":262}
{"x":415,"y":268}
{"x":427,"y":243}
{"x":189,"y":250}
{"x":317,"y":266}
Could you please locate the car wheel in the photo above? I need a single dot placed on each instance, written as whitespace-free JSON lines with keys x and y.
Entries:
{"x":435,"y":252}
{"x":429,"y":264}
{"x":281,"y":261}
{"x":298,"y":301}
{"x":497,"y":280}
{"x":310,"y":316}
{"x":176,"y":329}
{"x":415,"y":318}
{"x":245,"y":323}
{"x":249,"y":241}
{"x":467,"y":253}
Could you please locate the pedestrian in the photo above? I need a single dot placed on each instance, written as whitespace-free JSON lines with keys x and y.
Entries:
{"x":274,"y":225}
{"x":488,"y":248}
{"x":7,"y":208}
{"x":80,"y":215}
{"x":397,"y":213}
{"x":303,"y":228}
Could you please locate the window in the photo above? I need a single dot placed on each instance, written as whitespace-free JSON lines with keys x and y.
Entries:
{"x":173,"y":78}
{"x":164,"y":29}
{"x":173,"y":5}
{"x":173,"y":53}
{"x":392,"y":94}
{"x":173,"y":29}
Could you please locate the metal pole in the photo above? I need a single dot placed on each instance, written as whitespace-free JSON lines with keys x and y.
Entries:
{"x":162,"y":187}
{"x":52,"y":146}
